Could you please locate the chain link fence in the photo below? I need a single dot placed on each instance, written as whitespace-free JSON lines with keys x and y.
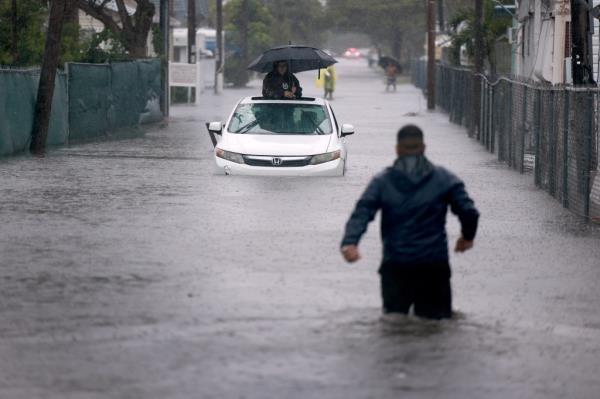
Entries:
{"x":551,"y":132}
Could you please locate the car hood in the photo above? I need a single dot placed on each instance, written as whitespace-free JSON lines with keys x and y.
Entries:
{"x":271,"y":144}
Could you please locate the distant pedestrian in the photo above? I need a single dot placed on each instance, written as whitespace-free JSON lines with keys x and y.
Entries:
{"x":391,"y":74}
{"x":414,"y":196}
{"x":329,"y":78}
{"x":371,"y":56}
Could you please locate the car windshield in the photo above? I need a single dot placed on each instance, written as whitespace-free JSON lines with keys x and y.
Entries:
{"x":277,"y":118}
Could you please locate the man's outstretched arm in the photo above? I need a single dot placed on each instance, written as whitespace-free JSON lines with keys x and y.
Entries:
{"x":364,"y":212}
{"x":463,"y":206}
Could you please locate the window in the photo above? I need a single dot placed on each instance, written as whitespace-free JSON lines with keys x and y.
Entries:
{"x":280,"y":118}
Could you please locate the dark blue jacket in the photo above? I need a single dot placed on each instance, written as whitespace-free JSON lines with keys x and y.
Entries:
{"x":413,"y":213}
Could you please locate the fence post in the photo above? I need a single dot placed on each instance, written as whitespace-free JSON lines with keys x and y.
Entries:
{"x":493,"y":124}
{"x":588,"y":156}
{"x":481,"y":108}
{"x":486,"y":105}
{"x":552,"y":147}
{"x":488,"y":111}
{"x":565,"y":182}
{"x":523,"y":129}
{"x":509,"y":134}
{"x":537,"y":127}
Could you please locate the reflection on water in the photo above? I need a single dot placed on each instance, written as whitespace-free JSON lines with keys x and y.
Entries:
{"x":399,"y":324}
{"x":371,"y":322}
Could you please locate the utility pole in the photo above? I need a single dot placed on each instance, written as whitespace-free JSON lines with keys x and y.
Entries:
{"x":164,"y":29}
{"x":191,"y":25}
{"x":43,"y":104}
{"x":14,"y":32}
{"x":478,"y":70}
{"x":430,"y":54}
{"x":191,"y":39}
{"x":244,"y":27}
{"x":220,"y":49}
{"x":581,"y":31}
{"x":441,"y":15}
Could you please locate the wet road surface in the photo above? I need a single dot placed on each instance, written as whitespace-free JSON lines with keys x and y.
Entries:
{"x":129,"y":269}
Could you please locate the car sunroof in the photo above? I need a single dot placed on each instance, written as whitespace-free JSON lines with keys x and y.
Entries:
{"x":295,"y":99}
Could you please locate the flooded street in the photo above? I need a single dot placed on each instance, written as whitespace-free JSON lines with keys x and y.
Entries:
{"x":129,"y":269}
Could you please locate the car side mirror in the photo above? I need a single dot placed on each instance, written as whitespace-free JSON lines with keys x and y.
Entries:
{"x":347,"y":130}
{"x":215,"y":127}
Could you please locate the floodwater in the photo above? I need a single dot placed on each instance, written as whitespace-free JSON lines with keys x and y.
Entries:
{"x":128,"y":269}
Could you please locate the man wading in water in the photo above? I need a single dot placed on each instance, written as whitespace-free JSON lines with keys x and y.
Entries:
{"x":414,"y":196}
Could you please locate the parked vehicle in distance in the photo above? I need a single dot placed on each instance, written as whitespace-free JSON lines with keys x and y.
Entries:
{"x":281,"y":138}
{"x":352,"y":53}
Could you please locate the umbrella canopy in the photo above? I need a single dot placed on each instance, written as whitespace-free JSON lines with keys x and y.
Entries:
{"x":385,"y":61}
{"x":299,"y":58}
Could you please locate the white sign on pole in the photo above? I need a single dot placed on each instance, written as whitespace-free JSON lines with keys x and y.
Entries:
{"x":186,"y":75}
{"x":183,"y":75}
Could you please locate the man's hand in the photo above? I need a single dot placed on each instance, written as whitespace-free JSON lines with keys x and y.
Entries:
{"x":350,"y":253}
{"x":463,"y":245}
{"x":288,"y":94}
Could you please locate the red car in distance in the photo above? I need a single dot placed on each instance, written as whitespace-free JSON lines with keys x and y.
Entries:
{"x":352,"y":53}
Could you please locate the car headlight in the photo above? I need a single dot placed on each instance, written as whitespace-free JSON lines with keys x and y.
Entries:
{"x":229,"y":156}
{"x":327,"y":157}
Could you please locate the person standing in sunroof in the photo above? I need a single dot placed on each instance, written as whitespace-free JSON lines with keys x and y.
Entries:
{"x":281,"y":84}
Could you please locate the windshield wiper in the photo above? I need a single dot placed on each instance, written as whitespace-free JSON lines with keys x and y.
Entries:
{"x":247,"y":127}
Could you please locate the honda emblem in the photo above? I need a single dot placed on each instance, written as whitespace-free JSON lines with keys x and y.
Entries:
{"x":277,"y":161}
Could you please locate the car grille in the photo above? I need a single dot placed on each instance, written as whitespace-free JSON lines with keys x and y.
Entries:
{"x":286,"y":162}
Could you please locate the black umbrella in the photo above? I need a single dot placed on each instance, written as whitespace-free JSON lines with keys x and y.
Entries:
{"x":385,"y":61}
{"x":299,"y":58}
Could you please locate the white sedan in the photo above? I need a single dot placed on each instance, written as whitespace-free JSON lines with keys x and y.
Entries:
{"x":281,"y":138}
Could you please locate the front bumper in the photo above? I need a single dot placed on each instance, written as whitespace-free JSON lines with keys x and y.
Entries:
{"x":333,"y":168}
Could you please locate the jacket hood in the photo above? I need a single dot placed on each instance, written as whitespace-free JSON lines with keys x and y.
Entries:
{"x":411,"y":171}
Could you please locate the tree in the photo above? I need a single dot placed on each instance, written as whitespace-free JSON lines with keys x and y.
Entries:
{"x":463,"y":34}
{"x":103,"y":47}
{"x":131,"y":29}
{"x":397,"y":26}
{"x":43,"y":105}
{"x":301,"y":22}
{"x":22,"y":32}
{"x":14,"y":15}
{"x":248,"y":23}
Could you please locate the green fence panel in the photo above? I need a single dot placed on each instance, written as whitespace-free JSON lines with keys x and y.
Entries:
{"x":93,"y":100}
{"x":89,"y":100}
{"x":127,"y":94}
{"x":149,"y":72}
{"x":107,"y":99}
{"x":150,"y":75}
{"x":18,"y":91}
{"x":58,"y":131}
{"x":16,"y":111}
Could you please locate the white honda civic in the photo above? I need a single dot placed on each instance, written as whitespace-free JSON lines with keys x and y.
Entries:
{"x":281,"y":138}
